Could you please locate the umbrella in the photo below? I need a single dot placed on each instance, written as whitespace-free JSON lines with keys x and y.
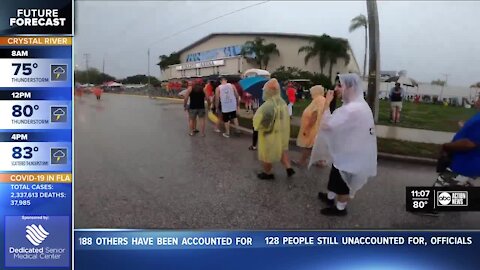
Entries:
{"x":403,"y":80}
{"x":254,"y":86}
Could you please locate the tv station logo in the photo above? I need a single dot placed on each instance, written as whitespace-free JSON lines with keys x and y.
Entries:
{"x":452,"y":198}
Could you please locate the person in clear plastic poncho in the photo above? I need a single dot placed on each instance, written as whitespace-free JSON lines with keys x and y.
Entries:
{"x":273,"y":125}
{"x":347,"y":138}
{"x":310,"y":121}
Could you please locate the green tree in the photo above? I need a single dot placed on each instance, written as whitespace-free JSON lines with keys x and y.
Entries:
{"x":283,"y":74}
{"x":93,"y":76}
{"x":255,"y":51}
{"x":168,"y":60}
{"x":361,"y":22}
{"x":337,"y":49}
{"x":438,"y":82}
{"x":140,"y":79}
{"x":318,"y":47}
{"x":286,"y":73}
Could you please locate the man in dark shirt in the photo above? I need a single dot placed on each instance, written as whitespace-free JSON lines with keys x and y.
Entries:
{"x":196,"y":108}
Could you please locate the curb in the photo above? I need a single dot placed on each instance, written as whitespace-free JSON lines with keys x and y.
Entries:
{"x":171,"y":99}
{"x":385,"y":156}
{"x":409,"y":159}
{"x":146,"y":96}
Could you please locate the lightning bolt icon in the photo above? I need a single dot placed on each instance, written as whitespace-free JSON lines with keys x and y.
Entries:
{"x":58,"y":116}
{"x":58,"y":75}
{"x":58,"y":159}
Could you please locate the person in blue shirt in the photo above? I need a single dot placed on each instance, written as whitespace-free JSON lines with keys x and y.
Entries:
{"x":463,"y":154}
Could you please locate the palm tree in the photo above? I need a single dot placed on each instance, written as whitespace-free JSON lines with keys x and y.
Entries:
{"x":337,"y":48}
{"x":268,"y":50}
{"x":318,"y":47}
{"x":163,"y":62}
{"x":440,"y":83}
{"x":259,"y":53}
{"x":358,"y":22}
{"x":166,"y":61}
{"x":475,"y":85}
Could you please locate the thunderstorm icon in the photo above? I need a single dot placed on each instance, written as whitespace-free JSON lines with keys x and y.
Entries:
{"x":58,"y":71}
{"x":59,"y":154}
{"x":59,"y":113}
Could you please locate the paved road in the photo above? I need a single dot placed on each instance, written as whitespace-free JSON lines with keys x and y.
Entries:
{"x":136,"y":167}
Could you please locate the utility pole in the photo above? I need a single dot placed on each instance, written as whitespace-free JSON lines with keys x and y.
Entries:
{"x":148,"y":54}
{"x":374,"y":59}
{"x":103,"y":65}
{"x":87,"y":56}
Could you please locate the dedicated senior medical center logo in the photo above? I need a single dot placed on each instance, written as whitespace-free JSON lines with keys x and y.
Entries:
{"x":40,"y":241}
{"x":36,"y":234}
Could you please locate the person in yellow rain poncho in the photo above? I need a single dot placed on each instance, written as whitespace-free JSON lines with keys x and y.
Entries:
{"x":273,"y":125}
{"x":310,"y":122}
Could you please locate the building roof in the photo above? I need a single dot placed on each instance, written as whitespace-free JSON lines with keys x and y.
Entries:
{"x":260,"y":34}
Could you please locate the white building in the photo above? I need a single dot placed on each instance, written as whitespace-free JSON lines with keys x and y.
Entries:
{"x":219,"y":54}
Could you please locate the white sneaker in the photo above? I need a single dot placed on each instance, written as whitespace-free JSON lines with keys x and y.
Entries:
{"x":226,"y":135}
{"x":217,"y":130}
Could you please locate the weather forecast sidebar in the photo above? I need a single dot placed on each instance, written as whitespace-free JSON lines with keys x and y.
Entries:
{"x":36,"y":195}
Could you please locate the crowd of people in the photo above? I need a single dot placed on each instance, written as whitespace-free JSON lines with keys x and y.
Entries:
{"x":342,"y":136}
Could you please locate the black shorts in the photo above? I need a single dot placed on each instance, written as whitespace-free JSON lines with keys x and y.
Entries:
{"x":336,"y":183}
{"x":229,"y":116}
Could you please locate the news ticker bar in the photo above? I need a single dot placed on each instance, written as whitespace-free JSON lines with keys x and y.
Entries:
{"x":428,"y":199}
{"x":164,"y":240}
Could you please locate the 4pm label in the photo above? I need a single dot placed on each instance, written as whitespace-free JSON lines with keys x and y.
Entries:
{"x":37,"y":241}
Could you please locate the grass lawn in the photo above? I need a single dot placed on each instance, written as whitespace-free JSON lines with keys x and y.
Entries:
{"x":390,"y":146}
{"x":420,"y":116}
{"x":427,"y":116}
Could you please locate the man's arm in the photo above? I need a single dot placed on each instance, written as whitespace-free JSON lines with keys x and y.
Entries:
{"x":217,"y":98}
{"x":206,"y":98}
{"x":462,"y":145}
{"x":235,"y":92}
{"x":185,"y":99}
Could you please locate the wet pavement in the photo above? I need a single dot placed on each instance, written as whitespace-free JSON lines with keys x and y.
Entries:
{"x":136,"y":167}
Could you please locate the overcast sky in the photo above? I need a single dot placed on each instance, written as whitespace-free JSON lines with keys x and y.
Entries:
{"x":428,"y":39}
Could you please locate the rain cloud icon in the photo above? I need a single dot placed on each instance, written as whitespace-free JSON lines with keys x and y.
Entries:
{"x":59,"y":113}
{"x":59,"y":154}
{"x":58,"y":71}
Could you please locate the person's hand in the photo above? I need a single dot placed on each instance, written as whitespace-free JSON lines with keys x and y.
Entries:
{"x":329,"y":97}
{"x":461,"y":123}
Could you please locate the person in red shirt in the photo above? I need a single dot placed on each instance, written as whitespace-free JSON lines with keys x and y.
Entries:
{"x":97,"y":91}
{"x":209,"y":91}
{"x":291,"y":94}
